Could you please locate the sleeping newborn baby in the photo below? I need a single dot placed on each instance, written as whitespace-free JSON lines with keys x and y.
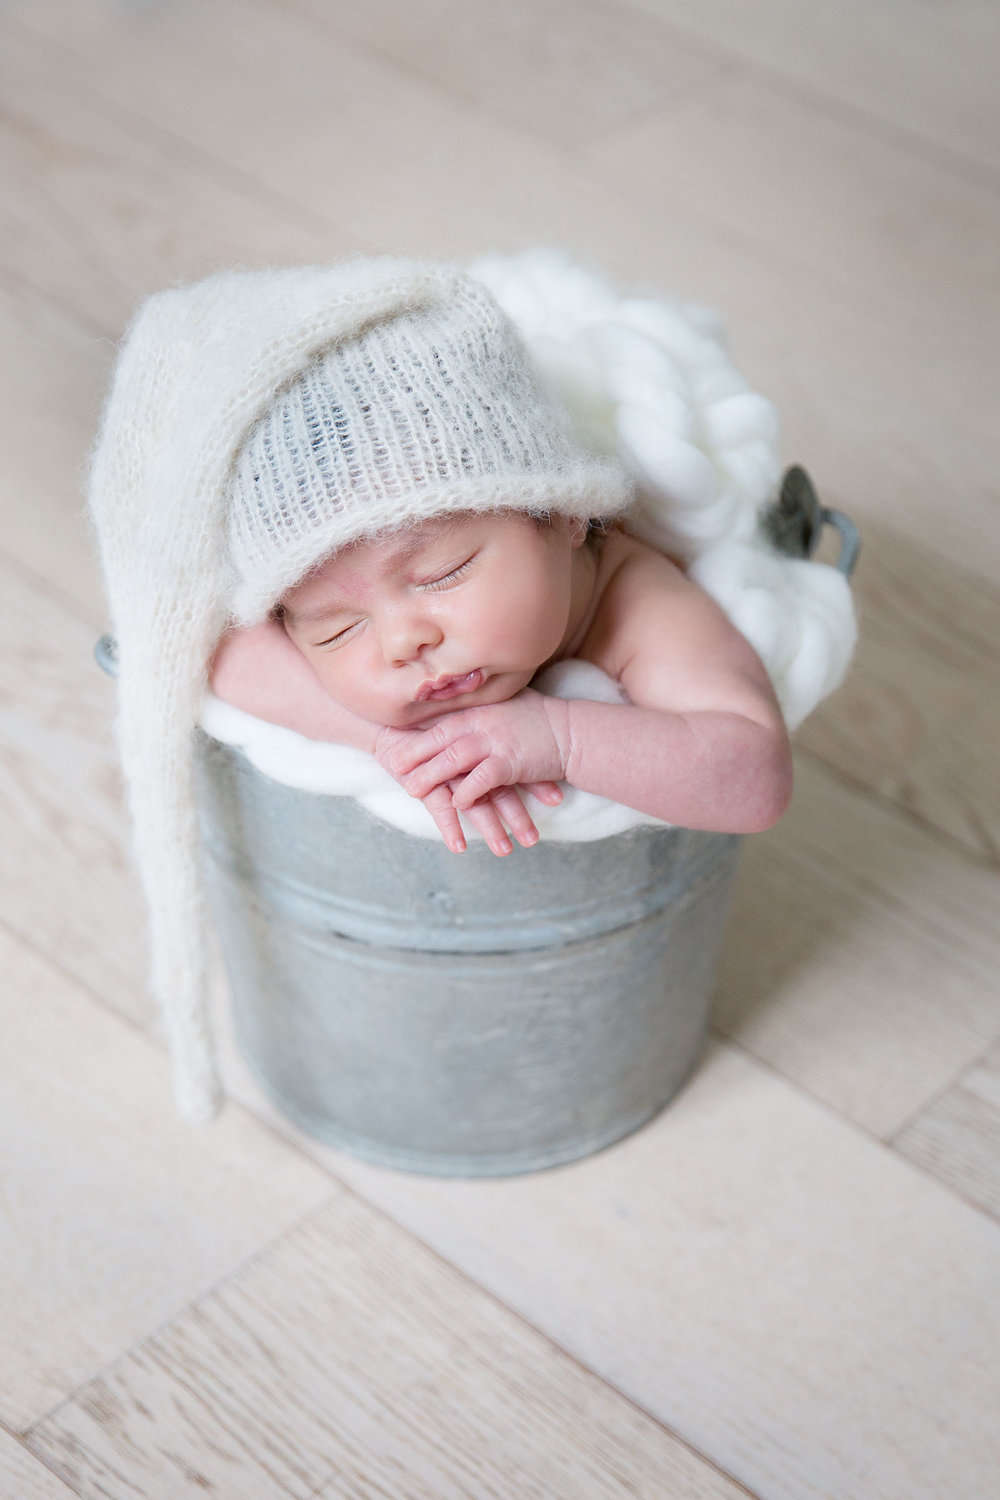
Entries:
{"x":420,"y":645}
{"x":346,"y":494}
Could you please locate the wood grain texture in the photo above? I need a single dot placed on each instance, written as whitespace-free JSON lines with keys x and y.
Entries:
{"x":349,"y":1360}
{"x":568,"y":70}
{"x":861,"y":956}
{"x":99,"y":206}
{"x":23,"y":1477}
{"x":928,"y":70}
{"x":52,"y":380}
{"x":957,"y":1137}
{"x":819,"y":1316}
{"x":913,"y":239}
{"x":917,"y":721}
{"x":113,"y":1215}
{"x":67,"y":883}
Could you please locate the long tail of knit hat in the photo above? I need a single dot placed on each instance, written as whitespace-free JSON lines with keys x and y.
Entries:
{"x":256,"y":422}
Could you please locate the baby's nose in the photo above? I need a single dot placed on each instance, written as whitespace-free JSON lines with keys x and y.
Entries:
{"x":405,"y":636}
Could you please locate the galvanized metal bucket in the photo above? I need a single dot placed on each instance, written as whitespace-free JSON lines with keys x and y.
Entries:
{"x":458,"y":1014}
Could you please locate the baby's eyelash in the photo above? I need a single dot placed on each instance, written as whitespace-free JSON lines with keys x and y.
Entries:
{"x":341,"y":634}
{"x":448,"y":577}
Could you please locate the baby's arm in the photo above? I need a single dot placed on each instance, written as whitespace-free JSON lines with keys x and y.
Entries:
{"x":702,"y":743}
{"x":263,"y":672}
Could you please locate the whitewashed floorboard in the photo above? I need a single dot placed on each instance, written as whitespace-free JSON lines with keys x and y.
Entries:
{"x":929,"y":70}
{"x":809,"y":1310}
{"x":23,"y":1477}
{"x":569,"y":70}
{"x":913,"y":238}
{"x":52,"y":380}
{"x":99,"y":207}
{"x":114,"y":1214}
{"x":861,"y":956}
{"x":67,"y":883}
{"x":349,"y":1360}
{"x":957,"y":1137}
{"x":917,"y":720}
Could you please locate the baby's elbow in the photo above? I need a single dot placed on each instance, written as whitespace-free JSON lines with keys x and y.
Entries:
{"x":773,"y":789}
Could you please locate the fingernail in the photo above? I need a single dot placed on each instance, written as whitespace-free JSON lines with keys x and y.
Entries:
{"x":529,"y":837}
{"x":456,"y":845}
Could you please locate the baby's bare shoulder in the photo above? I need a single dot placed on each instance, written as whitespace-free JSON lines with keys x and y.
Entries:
{"x":630,"y":576}
{"x":668,"y":643}
{"x":627,"y":564}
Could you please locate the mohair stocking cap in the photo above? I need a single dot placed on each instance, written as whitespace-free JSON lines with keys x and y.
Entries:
{"x":256,"y":422}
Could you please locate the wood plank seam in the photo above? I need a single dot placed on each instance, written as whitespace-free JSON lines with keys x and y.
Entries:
{"x":885,"y":1143}
{"x":404,"y":1233}
{"x":939,"y":1095}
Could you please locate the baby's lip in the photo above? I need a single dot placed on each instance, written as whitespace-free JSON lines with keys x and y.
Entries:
{"x":450,"y":687}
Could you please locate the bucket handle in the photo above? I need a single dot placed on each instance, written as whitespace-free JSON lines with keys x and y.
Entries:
{"x":795,"y":520}
{"x":106,"y":655}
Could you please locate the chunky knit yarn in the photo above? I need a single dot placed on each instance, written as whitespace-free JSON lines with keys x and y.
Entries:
{"x":257,"y":420}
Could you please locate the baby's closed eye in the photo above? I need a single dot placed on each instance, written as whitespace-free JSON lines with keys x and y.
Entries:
{"x":340,"y":635}
{"x":437,"y":583}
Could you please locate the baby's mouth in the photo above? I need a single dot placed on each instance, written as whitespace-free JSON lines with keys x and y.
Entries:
{"x":450,"y":687}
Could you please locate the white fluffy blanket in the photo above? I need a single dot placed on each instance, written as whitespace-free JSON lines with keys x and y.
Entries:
{"x":652,"y":382}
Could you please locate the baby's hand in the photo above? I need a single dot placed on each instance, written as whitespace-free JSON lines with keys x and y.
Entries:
{"x":504,"y":805}
{"x":475,"y":758}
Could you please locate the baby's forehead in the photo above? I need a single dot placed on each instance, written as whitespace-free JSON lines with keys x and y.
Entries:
{"x":397,"y":547}
{"x":401,"y":543}
{"x":386,"y":552}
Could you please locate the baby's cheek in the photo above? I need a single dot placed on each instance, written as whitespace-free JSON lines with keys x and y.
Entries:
{"x":347,"y":688}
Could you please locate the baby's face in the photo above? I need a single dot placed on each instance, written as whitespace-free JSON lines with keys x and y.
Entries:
{"x":453,"y":612}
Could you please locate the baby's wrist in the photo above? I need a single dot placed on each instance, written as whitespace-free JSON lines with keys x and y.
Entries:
{"x":557,"y":711}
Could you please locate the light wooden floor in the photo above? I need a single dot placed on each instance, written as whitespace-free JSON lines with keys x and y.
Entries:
{"x":788,"y":1286}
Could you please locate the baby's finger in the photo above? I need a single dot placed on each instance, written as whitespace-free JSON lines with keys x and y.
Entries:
{"x":508,"y":803}
{"x":485,"y":817}
{"x":419,"y":745}
{"x":492,"y":774}
{"x":441,"y":808}
{"x":454,"y":761}
{"x":549,"y":792}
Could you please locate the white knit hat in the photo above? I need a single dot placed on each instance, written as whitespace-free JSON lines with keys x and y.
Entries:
{"x":256,"y":422}
{"x":421,"y":413}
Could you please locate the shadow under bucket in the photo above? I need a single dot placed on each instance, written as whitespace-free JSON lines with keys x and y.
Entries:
{"x":458,"y":1014}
